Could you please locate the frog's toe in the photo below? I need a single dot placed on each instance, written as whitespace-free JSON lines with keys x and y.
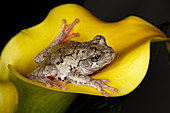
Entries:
{"x":69,"y":37}
{"x":48,"y":84}
{"x":64,"y":21}
{"x":103,"y":85}
{"x":64,"y":88}
{"x":105,"y":80}
{"x":115,"y":90}
{"x":100,"y":89}
{"x":58,"y":85}
{"x":105,"y":93}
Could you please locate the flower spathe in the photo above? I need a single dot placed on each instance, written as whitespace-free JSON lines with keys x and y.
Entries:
{"x":130,"y":38}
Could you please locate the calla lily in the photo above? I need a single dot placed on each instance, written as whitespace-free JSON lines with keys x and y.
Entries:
{"x":130,"y":38}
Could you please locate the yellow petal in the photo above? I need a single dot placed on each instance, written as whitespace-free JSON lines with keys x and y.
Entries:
{"x":8,"y":97}
{"x":130,"y":38}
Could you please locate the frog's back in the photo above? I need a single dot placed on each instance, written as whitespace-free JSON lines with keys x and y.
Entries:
{"x":60,"y":51}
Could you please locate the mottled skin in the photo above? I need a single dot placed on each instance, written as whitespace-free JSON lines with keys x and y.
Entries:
{"x":73,"y":61}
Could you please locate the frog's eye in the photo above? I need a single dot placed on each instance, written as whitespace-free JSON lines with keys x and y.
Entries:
{"x":95,"y":58}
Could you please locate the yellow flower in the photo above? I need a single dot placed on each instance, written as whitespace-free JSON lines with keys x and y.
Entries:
{"x":130,"y":38}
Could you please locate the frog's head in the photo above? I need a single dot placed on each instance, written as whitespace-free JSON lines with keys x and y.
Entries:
{"x":99,"y":55}
{"x":103,"y":54}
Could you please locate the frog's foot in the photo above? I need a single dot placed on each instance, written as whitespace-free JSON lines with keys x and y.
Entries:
{"x":68,"y":29}
{"x":100,"y":84}
{"x":48,"y":82}
{"x":62,"y":36}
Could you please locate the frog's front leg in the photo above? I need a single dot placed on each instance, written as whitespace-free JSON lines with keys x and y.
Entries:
{"x":61,"y":37}
{"x":99,"y":84}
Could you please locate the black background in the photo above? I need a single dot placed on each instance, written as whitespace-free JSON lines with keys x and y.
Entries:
{"x":152,"y":95}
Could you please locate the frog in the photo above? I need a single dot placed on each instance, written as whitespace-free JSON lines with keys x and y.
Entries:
{"x":65,"y":61}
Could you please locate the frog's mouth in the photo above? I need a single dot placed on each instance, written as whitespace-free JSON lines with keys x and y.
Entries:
{"x":106,"y":59}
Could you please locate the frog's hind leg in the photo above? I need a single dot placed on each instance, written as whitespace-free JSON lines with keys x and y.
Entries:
{"x":61,"y":38}
{"x":48,"y":82}
{"x":99,"y":84}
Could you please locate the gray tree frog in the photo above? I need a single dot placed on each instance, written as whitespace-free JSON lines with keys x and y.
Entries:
{"x":73,"y":62}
